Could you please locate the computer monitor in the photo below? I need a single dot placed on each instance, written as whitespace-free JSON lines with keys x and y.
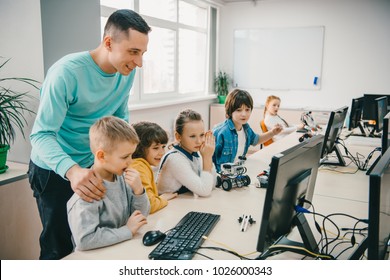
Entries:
{"x":291,"y":181}
{"x":355,"y":116}
{"x":379,"y":209}
{"x":386,"y":133}
{"x":380,"y":112}
{"x":369,"y":105}
{"x":332,"y":133}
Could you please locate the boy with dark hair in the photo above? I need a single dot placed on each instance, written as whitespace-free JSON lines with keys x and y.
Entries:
{"x":234,"y":136}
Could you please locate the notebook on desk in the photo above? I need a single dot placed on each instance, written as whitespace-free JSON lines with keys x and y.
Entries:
{"x":363,"y":141}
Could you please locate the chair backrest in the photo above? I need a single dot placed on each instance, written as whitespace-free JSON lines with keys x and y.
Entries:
{"x":264,"y":129}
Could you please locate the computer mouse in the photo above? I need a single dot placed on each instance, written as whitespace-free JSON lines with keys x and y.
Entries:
{"x":152,"y":237}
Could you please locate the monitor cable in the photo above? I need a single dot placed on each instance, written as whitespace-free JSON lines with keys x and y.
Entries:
{"x":363,"y":166}
{"x":353,"y":240}
{"x":323,"y":231}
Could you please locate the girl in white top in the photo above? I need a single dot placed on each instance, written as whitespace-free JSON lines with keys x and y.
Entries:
{"x":188,"y":166}
{"x":271,"y":118}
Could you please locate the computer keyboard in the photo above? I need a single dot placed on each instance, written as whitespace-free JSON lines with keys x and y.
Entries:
{"x":185,"y":238}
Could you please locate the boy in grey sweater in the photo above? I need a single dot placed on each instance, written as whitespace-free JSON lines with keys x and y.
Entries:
{"x":123,"y":209}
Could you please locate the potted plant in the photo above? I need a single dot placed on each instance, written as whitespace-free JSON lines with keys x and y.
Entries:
{"x":13,"y":105}
{"x":222,"y":82}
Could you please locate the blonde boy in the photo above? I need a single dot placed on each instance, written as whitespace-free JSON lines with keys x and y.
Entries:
{"x":123,"y":209}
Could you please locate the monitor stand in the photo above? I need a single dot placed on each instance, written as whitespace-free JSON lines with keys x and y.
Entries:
{"x":308,"y":247}
{"x":363,"y":129}
{"x":340,"y":158}
{"x":372,"y":133}
{"x":358,"y":253}
{"x":373,"y":165}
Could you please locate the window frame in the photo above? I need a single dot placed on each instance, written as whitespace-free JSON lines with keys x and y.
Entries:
{"x":139,"y":99}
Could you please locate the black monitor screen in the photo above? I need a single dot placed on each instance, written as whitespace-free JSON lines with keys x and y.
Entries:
{"x":379,"y":209}
{"x":380,"y":113}
{"x":291,"y":180}
{"x":355,"y":115}
{"x":332,"y":133}
{"x":386,"y":133}
{"x":369,"y":105}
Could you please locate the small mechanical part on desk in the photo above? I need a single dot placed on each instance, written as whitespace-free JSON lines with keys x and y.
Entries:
{"x":263,"y":179}
{"x":233,"y":175}
{"x":305,"y":136}
{"x":245,"y":220}
{"x":310,"y":124}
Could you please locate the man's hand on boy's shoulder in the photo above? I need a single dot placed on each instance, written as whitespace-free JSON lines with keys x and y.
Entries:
{"x":86,"y":183}
{"x":133,"y":179}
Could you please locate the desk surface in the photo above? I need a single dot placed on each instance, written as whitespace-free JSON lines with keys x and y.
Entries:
{"x":16,"y":171}
{"x":334,"y":192}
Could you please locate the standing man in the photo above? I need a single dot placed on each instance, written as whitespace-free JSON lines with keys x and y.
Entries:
{"x":79,"y":89}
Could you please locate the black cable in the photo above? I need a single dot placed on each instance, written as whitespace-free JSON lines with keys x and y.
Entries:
{"x":338,"y":234}
{"x":361,"y":165}
{"x":203,"y":255}
{"x":344,"y":242}
{"x":346,"y":249}
{"x":326,"y":235}
{"x":334,"y":169}
{"x":226,"y":251}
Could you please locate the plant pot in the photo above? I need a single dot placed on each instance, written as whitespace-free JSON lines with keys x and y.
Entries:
{"x":221,"y":99}
{"x":3,"y":158}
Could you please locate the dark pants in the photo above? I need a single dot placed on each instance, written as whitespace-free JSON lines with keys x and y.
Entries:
{"x":52,"y":193}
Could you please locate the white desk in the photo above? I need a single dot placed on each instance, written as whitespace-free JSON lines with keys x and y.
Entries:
{"x":334,"y":193}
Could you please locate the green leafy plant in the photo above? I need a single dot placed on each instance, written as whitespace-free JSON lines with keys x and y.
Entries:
{"x":222,"y":82}
{"x":13,"y":105}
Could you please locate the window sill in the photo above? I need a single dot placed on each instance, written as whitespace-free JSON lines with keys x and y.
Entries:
{"x":164,"y":103}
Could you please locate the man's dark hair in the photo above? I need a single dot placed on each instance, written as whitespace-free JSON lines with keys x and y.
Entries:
{"x":121,"y":21}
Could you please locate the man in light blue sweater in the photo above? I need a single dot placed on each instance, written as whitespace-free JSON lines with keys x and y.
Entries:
{"x":79,"y":89}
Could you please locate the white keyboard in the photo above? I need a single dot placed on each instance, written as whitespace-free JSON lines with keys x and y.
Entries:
{"x":363,"y":141}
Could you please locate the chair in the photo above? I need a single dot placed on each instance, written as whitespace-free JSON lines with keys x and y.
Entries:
{"x":264,"y":129}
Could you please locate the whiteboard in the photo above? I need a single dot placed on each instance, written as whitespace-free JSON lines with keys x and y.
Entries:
{"x":278,"y":58}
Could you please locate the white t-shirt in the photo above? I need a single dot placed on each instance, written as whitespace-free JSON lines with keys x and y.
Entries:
{"x":241,"y":143}
{"x":270,"y":121}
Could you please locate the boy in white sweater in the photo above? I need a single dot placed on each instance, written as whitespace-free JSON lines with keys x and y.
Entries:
{"x":123,"y":209}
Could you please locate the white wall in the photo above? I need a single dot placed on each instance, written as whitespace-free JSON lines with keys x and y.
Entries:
{"x":69,"y":26}
{"x":21,"y":40}
{"x":356,"y":57}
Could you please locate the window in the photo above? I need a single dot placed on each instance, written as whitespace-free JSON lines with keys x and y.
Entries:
{"x":178,"y":61}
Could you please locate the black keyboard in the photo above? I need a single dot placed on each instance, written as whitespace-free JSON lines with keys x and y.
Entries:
{"x":185,"y":238}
